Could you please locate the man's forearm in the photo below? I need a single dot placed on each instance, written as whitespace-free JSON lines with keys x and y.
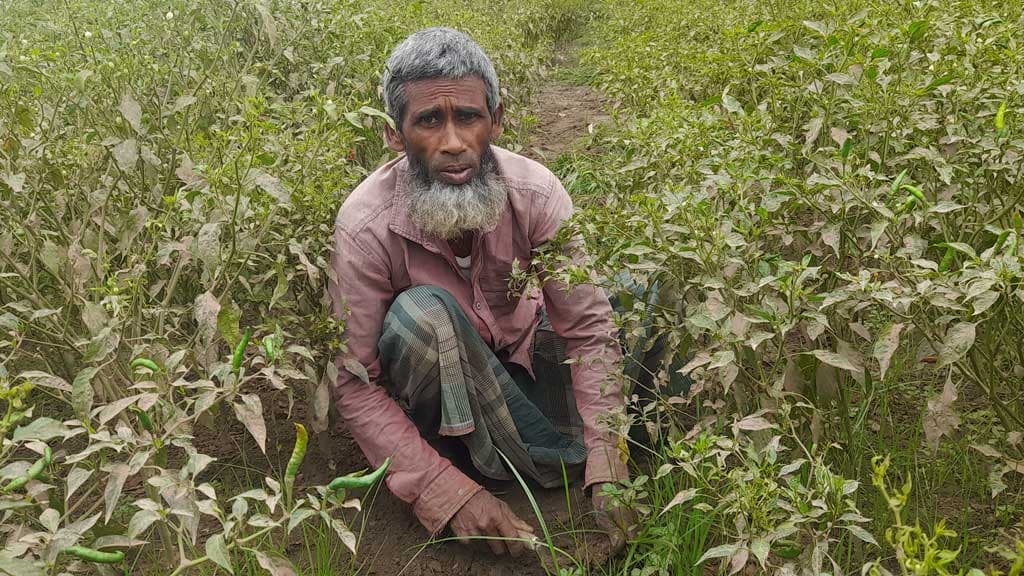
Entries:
{"x":418,"y":474}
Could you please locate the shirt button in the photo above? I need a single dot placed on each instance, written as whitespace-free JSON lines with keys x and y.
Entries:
{"x":478,"y":306}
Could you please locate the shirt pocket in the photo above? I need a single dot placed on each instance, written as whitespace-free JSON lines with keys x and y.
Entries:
{"x":515,"y":314}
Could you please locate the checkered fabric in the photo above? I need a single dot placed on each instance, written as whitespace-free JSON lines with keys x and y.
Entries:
{"x":431,"y":354}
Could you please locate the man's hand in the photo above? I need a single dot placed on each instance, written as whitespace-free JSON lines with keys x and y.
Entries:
{"x":616,"y":521}
{"x":485,"y":515}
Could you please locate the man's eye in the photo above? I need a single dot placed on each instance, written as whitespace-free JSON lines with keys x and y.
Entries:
{"x":468,"y":116}
{"x":428,"y":120}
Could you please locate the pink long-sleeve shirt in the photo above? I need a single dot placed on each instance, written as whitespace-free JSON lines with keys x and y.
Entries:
{"x":380,"y":252}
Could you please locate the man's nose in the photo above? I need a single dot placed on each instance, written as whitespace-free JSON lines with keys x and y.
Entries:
{"x":452,"y":142}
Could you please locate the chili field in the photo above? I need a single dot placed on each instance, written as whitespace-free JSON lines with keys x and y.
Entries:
{"x":814,"y":207}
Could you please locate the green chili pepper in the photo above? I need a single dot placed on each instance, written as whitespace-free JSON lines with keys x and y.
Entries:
{"x":268,"y":347}
{"x":95,"y":555}
{"x":351,"y":481}
{"x":145,"y":363}
{"x":947,"y":259}
{"x":1000,"y":241}
{"x":236,"y":360}
{"x":1001,"y":117}
{"x":298,"y":454}
{"x":899,"y":181}
{"x":908,"y":205}
{"x":916,"y":192}
{"x":33,"y":472}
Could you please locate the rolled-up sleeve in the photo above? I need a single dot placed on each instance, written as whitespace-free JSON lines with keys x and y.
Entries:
{"x":583,"y":317}
{"x":361,"y":292}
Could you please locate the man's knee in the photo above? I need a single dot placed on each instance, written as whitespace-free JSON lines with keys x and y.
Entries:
{"x":418,"y":325}
{"x":419,"y":303}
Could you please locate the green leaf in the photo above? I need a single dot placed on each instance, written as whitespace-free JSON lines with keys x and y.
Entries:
{"x":861,"y":533}
{"x":16,"y":182}
{"x":917,"y":29}
{"x":731,"y":104}
{"x":218,"y":552}
{"x":820,"y":28}
{"x":82,"y":393}
{"x":940,"y":81}
{"x":227,"y":322}
{"x":357,"y":369}
{"x":886,"y":346}
{"x":718,"y":552}
{"x":960,"y":247}
{"x":760,"y":547}
{"x":42,"y":429}
{"x":957,"y":342}
{"x":682,"y":497}
{"x":275,"y":565}
{"x":132,"y":111}
{"x":126,"y":154}
{"x":19,"y":567}
{"x":298,"y":517}
{"x":250,"y":413}
{"x":843,"y":362}
{"x":370,"y":111}
{"x":46,"y":380}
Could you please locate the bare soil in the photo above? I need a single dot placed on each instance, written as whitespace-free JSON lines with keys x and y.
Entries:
{"x":565,"y":113}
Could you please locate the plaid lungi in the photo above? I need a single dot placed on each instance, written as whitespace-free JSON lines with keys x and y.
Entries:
{"x":451,"y":384}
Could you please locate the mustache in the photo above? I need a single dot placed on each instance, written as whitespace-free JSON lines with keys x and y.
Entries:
{"x":424,"y":177}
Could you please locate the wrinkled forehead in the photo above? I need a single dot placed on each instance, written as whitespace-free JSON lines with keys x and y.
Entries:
{"x":445,"y":93}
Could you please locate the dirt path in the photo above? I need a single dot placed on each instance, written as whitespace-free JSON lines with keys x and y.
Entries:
{"x":394,"y":541}
{"x":565,"y":113}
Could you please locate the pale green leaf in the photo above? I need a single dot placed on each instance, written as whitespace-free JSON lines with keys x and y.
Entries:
{"x":886,"y":346}
{"x":250,"y":413}
{"x":82,"y":393}
{"x":218,"y":552}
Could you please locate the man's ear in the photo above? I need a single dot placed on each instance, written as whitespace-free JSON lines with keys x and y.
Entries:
{"x":393,"y":139}
{"x":497,"y":126}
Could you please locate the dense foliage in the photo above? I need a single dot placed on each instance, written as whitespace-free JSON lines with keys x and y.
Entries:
{"x":826,"y":197}
{"x":169,"y":174}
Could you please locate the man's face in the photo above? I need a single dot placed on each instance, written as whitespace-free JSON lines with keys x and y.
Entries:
{"x":447,"y":128}
{"x":446,"y":132}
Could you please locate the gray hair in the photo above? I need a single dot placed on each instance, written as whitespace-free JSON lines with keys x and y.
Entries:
{"x":436,"y":53}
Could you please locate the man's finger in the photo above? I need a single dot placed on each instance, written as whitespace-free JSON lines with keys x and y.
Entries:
{"x":508,"y":530}
{"x":522,"y":526}
{"x":497,"y":546}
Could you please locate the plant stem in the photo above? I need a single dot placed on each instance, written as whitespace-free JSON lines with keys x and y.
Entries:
{"x":186,"y":564}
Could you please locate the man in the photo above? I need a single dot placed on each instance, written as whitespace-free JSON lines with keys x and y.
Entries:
{"x":442,"y":357}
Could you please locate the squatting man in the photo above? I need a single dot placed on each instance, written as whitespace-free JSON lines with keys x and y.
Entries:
{"x":461,"y":374}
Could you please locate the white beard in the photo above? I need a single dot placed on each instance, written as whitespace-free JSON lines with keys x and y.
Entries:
{"x":448,"y":210}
